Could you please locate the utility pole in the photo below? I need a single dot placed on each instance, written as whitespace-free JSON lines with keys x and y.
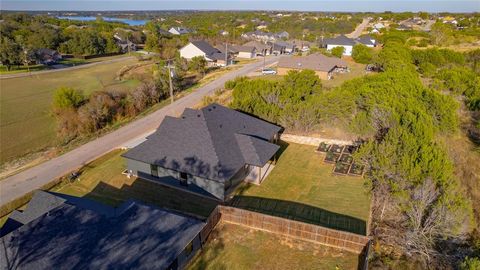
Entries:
{"x":170,"y":68}
{"x":226,"y":53}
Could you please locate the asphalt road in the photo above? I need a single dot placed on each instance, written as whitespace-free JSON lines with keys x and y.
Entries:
{"x":20,"y":184}
{"x":34,"y":73}
{"x":359,"y":29}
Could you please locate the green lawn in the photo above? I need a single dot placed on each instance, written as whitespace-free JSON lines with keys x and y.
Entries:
{"x":237,"y":247}
{"x":302,"y":187}
{"x":102,"y":180}
{"x":26,"y":122}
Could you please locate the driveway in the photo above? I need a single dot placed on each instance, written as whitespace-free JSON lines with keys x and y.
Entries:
{"x":20,"y":184}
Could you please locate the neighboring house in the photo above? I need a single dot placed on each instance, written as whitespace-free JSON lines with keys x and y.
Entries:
{"x":223,"y":32}
{"x":127,"y":46}
{"x":214,"y":56}
{"x":403,"y":27}
{"x":374,"y":31}
{"x":58,"y":231}
{"x":340,"y":41}
{"x":265,"y":36}
{"x":247,"y":52}
{"x":178,"y":30}
{"x":47,"y":56}
{"x":366,"y":40}
{"x":287,"y":46}
{"x":323,"y":66}
{"x":277,"y":47}
{"x":261,"y":49}
{"x":379,"y":26}
{"x":207,"y":151}
{"x":348,"y":43}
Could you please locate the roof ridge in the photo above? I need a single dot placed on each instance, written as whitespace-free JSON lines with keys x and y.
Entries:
{"x":250,"y":142}
{"x":205,"y":122}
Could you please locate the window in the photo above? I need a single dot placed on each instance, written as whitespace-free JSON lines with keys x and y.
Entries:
{"x":183,"y":179}
{"x":188,"y":249}
{"x":154,"y":170}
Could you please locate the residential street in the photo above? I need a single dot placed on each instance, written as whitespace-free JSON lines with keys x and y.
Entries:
{"x":358,"y":31}
{"x":35,"y":177}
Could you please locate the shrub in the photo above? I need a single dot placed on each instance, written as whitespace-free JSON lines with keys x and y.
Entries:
{"x":338,"y":51}
{"x":362,"y":54}
{"x":67,"y":98}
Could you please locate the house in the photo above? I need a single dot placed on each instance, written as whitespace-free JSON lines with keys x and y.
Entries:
{"x":223,"y":32}
{"x":207,"y":151}
{"x":265,"y":36}
{"x":288,"y":46}
{"x":47,"y":56}
{"x":214,"y":56}
{"x":403,"y":27}
{"x":58,"y":231}
{"x":348,"y":43}
{"x":340,"y":41}
{"x":379,"y":26}
{"x":366,"y":40}
{"x":277,"y":47}
{"x":178,"y":30}
{"x":323,"y":66}
{"x":283,"y":35}
{"x":374,"y":31}
{"x":124,"y":44}
{"x":247,"y":52}
{"x":261,"y":49}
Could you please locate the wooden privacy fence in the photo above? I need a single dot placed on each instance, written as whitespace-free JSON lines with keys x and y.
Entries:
{"x":211,"y":221}
{"x":309,"y":232}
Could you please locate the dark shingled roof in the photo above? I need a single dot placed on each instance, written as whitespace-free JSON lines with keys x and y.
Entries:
{"x":340,"y":40}
{"x":213,"y":142}
{"x":211,"y":52}
{"x":134,"y":236}
{"x":318,"y":62}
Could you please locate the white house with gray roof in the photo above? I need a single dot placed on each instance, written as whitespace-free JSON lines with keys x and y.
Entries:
{"x":348,"y":43}
{"x":207,"y":151}
{"x":214,"y":56}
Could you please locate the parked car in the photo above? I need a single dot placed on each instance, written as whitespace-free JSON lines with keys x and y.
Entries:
{"x":268,"y":71}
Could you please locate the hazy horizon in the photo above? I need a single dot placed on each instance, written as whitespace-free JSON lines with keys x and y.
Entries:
{"x":248,"y":5}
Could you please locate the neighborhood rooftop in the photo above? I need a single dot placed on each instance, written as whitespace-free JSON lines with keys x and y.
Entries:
{"x":317,"y":62}
{"x":214,"y":142}
{"x":67,"y":235}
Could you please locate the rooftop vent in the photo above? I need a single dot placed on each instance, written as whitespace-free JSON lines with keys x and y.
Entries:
{"x":214,"y":106}
{"x":198,"y":115}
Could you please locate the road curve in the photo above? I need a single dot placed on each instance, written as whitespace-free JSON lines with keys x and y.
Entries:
{"x":33,"y":178}
{"x":35,"y":73}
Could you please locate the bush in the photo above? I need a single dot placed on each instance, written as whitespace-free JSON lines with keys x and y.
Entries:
{"x":470,"y":264}
{"x":67,"y":98}
{"x":362,"y":54}
{"x":338,"y":51}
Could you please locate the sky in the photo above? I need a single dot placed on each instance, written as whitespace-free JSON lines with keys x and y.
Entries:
{"x":301,"y":5}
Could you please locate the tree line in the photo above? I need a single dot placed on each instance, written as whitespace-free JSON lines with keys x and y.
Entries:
{"x":419,"y":207}
{"x":21,"y":35}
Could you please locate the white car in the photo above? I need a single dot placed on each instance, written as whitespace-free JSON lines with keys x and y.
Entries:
{"x":268,"y":71}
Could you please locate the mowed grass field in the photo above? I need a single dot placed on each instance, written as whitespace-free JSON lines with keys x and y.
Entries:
{"x":303,"y":187}
{"x":25,"y":104}
{"x":237,"y":247}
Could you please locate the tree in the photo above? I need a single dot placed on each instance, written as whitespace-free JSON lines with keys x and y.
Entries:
{"x":338,"y":51}
{"x":10,"y":53}
{"x":362,"y":54}
{"x":67,"y":98}
{"x":198,"y":64}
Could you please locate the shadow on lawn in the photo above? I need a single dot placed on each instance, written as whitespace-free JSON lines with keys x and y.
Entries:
{"x":154,"y":194}
{"x":300,"y":212}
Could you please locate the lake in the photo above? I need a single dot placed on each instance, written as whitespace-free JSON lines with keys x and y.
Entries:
{"x":107,"y":19}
